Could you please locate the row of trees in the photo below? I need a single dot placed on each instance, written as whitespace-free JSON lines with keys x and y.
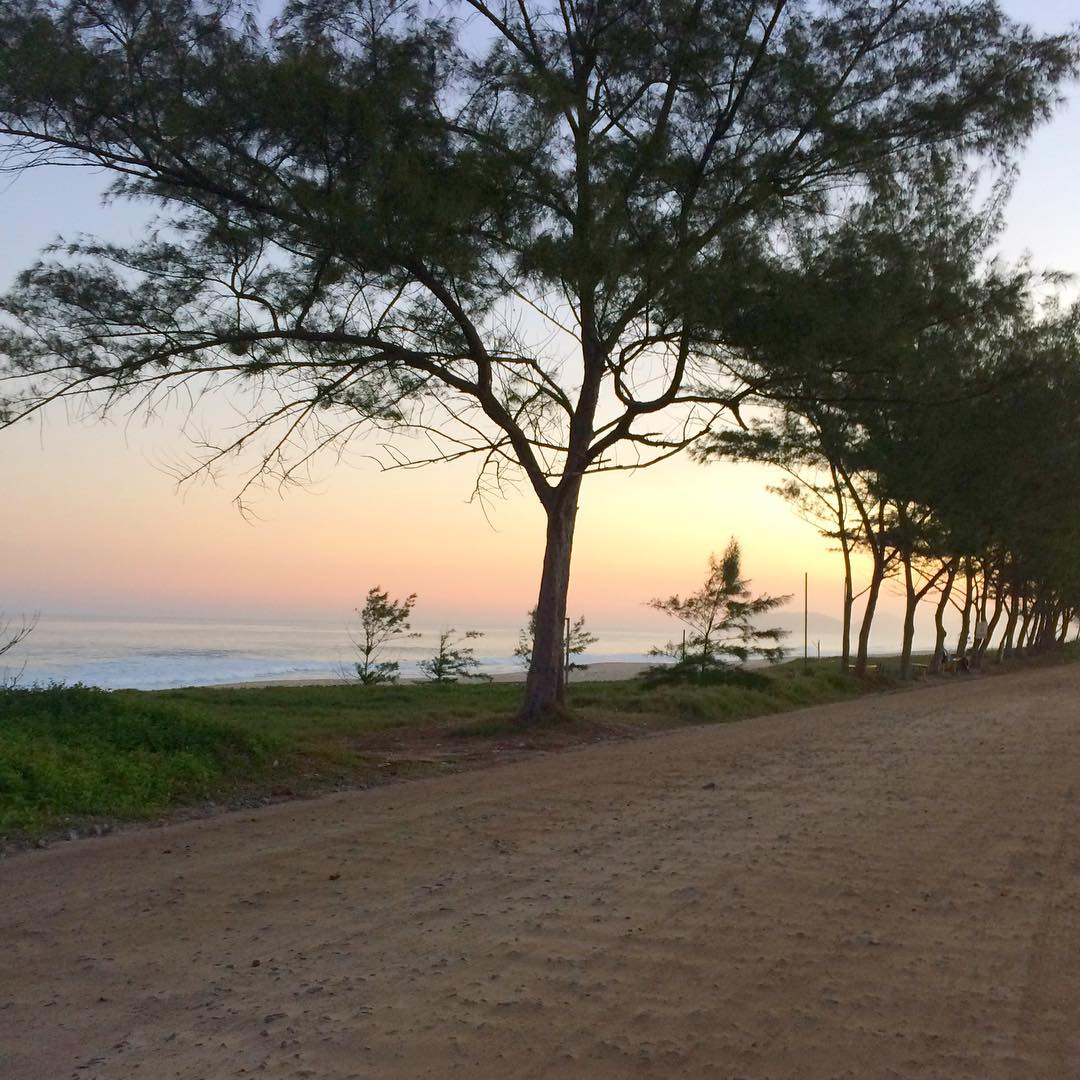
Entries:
{"x":937,"y":430}
{"x":524,"y":230}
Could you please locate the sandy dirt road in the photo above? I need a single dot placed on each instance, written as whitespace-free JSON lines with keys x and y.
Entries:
{"x":887,"y":888}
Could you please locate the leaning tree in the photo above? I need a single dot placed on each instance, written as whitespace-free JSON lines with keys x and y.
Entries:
{"x":515,"y":227}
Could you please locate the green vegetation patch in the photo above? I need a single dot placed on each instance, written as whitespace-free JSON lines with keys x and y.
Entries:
{"x":73,"y":751}
{"x":72,"y":754}
{"x":299,"y":714}
{"x":717,"y":697}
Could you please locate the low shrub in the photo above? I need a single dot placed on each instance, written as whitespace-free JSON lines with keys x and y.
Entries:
{"x":691,"y":673}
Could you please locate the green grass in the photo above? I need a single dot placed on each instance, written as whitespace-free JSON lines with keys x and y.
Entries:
{"x":74,"y":752}
{"x":70,"y":756}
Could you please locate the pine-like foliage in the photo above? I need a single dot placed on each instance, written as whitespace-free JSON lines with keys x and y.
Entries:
{"x":722,"y":621}
{"x":453,"y":659}
{"x":382,"y":621}
{"x":578,"y":640}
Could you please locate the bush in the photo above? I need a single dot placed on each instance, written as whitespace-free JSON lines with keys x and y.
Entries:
{"x":691,"y":673}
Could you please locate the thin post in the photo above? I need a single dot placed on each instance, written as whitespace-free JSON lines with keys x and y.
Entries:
{"x":566,"y":662}
{"x":806,"y":621}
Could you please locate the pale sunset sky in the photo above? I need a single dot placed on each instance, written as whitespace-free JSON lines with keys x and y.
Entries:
{"x":93,"y":522}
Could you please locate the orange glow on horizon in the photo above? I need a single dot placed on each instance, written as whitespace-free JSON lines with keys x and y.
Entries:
{"x":96,"y":527}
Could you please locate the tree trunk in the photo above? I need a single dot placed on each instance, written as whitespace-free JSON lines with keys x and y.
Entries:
{"x":939,"y":618}
{"x":545,"y":685}
{"x":911,"y":602}
{"x":876,"y":578}
{"x":1060,"y":613}
{"x":991,"y":627}
{"x":981,"y":601}
{"x":1041,"y":627}
{"x":1034,"y":634}
{"x":845,"y":644}
{"x":873,"y":540}
{"x":845,"y":548}
{"x":1025,"y":627}
{"x":965,"y":615}
{"x":1049,"y":635}
{"x":1066,"y":620}
{"x":1005,"y":648}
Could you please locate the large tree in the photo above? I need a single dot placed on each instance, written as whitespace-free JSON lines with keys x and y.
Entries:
{"x":515,"y":226}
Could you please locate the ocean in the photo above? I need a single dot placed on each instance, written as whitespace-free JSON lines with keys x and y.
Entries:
{"x":159,"y":653}
{"x":155,"y":654}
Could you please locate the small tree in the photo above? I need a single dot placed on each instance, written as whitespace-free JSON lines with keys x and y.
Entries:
{"x":382,"y":621}
{"x":577,"y":641}
{"x":453,"y":660}
{"x":720,"y":617}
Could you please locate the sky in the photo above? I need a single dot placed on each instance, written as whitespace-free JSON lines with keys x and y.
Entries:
{"x":95,"y":523}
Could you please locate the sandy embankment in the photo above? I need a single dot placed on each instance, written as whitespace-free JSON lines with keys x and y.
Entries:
{"x":885,"y":888}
